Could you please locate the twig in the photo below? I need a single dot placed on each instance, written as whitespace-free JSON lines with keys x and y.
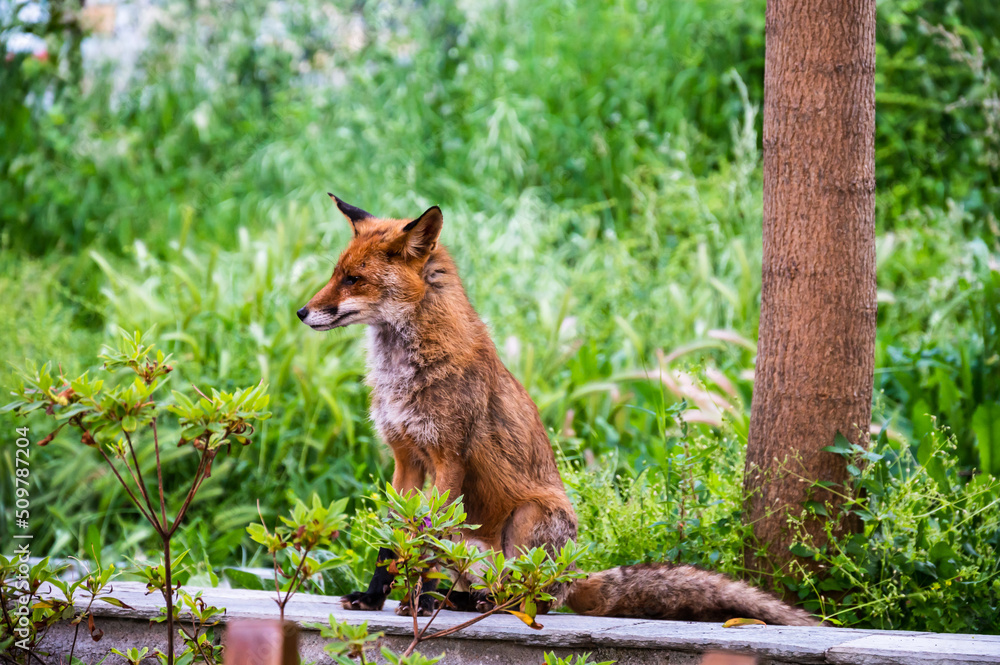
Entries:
{"x":137,"y":476}
{"x":121,"y":480}
{"x":443,"y":604}
{"x":3,"y":607}
{"x":76,"y":633}
{"x":35,"y":656}
{"x":195,"y":639}
{"x":413,"y":593}
{"x":168,"y":598}
{"x":195,"y":485}
{"x":454,"y":629}
{"x":159,"y":472}
{"x":277,"y":588}
{"x":291,"y":585}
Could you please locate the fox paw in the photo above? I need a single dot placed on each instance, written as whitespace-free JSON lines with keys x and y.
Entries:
{"x":425,"y":606}
{"x":464,"y":601}
{"x":362,"y":600}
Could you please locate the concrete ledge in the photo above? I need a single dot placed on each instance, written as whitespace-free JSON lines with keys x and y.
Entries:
{"x":504,"y":639}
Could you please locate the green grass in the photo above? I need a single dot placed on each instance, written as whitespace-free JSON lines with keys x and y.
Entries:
{"x":599,"y":169}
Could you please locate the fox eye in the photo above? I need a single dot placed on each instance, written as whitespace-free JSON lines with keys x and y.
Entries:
{"x":350,"y":280}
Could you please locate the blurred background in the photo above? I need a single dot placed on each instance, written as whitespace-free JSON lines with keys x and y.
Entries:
{"x":598,"y":163}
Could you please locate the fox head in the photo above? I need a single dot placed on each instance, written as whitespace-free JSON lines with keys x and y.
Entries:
{"x":381,"y":275}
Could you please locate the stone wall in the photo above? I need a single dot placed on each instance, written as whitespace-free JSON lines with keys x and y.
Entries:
{"x":504,"y":640}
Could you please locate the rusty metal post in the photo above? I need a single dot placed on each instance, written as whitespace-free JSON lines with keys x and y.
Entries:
{"x":726,"y":658}
{"x":261,"y":643}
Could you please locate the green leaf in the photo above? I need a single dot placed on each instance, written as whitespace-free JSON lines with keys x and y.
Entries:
{"x":841,"y":446}
{"x":258,"y":533}
{"x":115,"y":602}
{"x":11,"y":406}
{"x":932,"y":463}
{"x":130,"y":423}
{"x":817,"y":508}
{"x":241,"y":579}
{"x":986,"y":426}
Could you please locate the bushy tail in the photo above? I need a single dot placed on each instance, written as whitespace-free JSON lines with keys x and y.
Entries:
{"x":685,"y":593}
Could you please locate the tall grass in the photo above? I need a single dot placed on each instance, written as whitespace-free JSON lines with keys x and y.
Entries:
{"x":599,"y":168}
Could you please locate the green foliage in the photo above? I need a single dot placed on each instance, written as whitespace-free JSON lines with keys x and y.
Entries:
{"x":600,"y":175}
{"x":628,"y":517}
{"x":308,"y":527}
{"x":199,"y":640}
{"x":928,"y":553}
{"x":132,"y":656}
{"x":936,"y":84}
{"x":346,"y":642}
{"x":425,"y":530}
{"x":108,"y":418}
{"x":415,"y":658}
{"x":29,"y":609}
{"x":581,"y":659}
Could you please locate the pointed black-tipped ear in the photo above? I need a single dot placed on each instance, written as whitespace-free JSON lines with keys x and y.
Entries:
{"x":353,"y":215}
{"x":420,"y":236}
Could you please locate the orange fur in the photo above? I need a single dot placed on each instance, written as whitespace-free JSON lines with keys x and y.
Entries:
{"x":445,"y":404}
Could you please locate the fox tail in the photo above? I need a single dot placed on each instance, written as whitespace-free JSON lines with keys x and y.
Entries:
{"x":680,"y":592}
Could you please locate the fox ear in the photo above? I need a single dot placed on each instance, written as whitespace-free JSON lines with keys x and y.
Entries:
{"x":420,"y":236}
{"x":354,"y":215}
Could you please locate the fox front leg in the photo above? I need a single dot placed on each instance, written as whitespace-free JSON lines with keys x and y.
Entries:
{"x":425,"y":604}
{"x":447,"y":477}
{"x":408,"y":476}
{"x":378,"y":588}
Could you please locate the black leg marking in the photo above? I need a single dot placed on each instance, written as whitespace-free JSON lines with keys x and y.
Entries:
{"x":425,"y":604}
{"x":378,"y":588}
{"x":469,"y":601}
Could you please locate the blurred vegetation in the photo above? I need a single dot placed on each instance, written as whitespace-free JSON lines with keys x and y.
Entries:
{"x":599,"y":168}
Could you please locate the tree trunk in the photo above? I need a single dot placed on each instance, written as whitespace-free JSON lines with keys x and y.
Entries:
{"x":817,"y":327}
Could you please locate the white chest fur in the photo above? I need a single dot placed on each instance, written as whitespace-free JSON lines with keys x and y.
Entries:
{"x":395,"y":407}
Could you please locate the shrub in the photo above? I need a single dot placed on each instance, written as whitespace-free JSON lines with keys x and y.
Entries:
{"x":927,"y":556}
{"x":112,"y":418}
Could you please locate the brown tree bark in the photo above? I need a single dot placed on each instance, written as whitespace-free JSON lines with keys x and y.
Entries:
{"x":817,"y":328}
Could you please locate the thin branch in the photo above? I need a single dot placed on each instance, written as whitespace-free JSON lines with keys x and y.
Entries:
{"x":195,"y":484}
{"x":35,"y":656}
{"x":149,"y":518}
{"x":414,"y":595}
{"x":3,"y":608}
{"x":277,"y":587}
{"x":194,"y":638}
{"x":159,"y":472}
{"x":140,"y":481}
{"x":168,"y":597}
{"x":295,"y":576}
{"x":420,"y":636}
{"x":76,"y":633}
{"x":462,"y":626}
{"x":443,"y":604}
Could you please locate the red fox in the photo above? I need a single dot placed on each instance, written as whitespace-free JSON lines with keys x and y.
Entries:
{"x":449,"y":410}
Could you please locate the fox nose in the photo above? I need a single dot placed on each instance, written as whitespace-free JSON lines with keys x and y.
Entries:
{"x":303,"y":313}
